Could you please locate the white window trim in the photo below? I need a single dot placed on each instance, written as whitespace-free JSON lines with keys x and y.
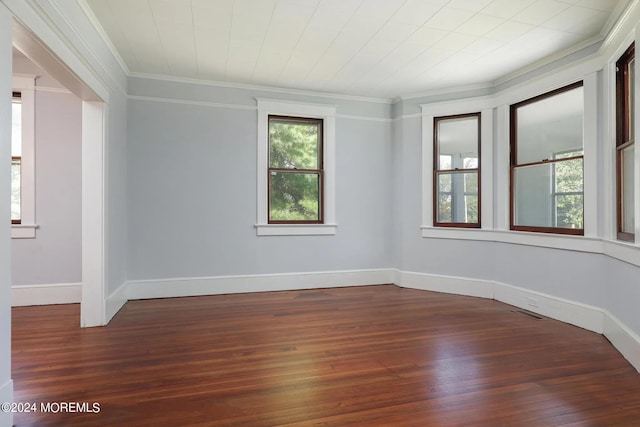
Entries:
{"x":295,"y":109}
{"x":609,"y":159}
{"x":495,"y":173}
{"x":25,"y":84}
{"x":431,"y":111}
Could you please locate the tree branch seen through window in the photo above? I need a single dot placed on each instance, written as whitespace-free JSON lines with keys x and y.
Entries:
{"x":295,"y":170}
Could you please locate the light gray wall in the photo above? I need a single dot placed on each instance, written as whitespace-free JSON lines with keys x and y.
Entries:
{"x":55,"y":254}
{"x":621,"y":292}
{"x":192,"y":192}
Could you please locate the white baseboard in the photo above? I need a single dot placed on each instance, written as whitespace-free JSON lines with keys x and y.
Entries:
{"x":58,"y":293}
{"x":115,"y":302}
{"x":567,"y":311}
{"x":183,"y":287}
{"x":6,"y":395}
{"x":446,"y":284}
{"x":585,"y":316}
{"x":623,"y":339}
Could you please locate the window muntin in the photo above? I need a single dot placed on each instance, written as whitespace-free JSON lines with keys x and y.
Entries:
{"x":625,"y":144}
{"x":547,"y":162}
{"x":457,"y":171}
{"x":295,"y":172}
{"x":16,"y":158}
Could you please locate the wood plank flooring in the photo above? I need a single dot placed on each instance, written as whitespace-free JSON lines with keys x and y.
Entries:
{"x":371,"y":356}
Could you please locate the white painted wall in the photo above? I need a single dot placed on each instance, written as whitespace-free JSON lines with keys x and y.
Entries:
{"x":117,"y":183}
{"x":6,"y":385}
{"x":54,"y":255}
{"x":192,"y":185}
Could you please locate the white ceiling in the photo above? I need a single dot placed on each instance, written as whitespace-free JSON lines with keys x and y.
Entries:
{"x":376,"y":48}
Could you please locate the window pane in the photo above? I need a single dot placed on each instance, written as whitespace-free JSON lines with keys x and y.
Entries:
{"x":568,"y":211}
{"x":458,"y":140}
{"x":470,"y":163}
{"x":568,"y":176}
{"x":548,"y":126}
{"x":294,"y":196}
{"x":16,"y":128}
{"x":445,"y":162}
{"x":444,"y":207}
{"x":15,"y":190}
{"x":457,"y":197}
{"x":627,"y":199}
{"x":294,"y":145}
{"x":549,"y":195}
{"x":471,"y":208}
{"x":444,"y":182}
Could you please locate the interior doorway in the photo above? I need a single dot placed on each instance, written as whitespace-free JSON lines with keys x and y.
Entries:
{"x":93,"y":121}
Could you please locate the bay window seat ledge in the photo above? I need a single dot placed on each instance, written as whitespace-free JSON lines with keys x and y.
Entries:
{"x":548,"y":240}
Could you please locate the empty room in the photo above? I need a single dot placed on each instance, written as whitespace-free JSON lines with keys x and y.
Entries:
{"x":319,"y":212}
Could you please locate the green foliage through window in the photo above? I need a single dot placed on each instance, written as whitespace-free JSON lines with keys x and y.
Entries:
{"x":568,"y":191}
{"x":295,"y":170}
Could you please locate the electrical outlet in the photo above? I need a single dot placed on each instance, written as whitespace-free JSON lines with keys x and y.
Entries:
{"x":532,"y":302}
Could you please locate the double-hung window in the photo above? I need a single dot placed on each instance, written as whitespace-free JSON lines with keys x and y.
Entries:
{"x":456,"y":172}
{"x":547,"y":162}
{"x":625,"y":110}
{"x":23,"y":225}
{"x":295,"y":170}
{"x":16,"y":158}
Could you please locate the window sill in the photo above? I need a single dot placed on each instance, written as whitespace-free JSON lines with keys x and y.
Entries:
{"x":547,"y":240}
{"x":23,"y":231}
{"x":296,"y":229}
{"x":621,"y":251}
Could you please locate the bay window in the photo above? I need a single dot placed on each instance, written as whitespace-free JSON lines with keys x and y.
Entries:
{"x":625,"y":110}
{"x":547,"y":164}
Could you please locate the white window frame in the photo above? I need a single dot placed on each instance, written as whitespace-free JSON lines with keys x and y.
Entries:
{"x":325,"y":112}
{"x":25,"y":84}
{"x":589,"y":145}
{"x":452,"y":108}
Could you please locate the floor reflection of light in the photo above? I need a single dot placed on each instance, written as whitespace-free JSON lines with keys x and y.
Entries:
{"x":460,"y":388}
{"x":455,"y":366}
{"x":457,"y":373}
{"x":282,"y":387}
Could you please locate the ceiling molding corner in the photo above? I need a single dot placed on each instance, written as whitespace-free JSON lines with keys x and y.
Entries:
{"x":103,"y":35}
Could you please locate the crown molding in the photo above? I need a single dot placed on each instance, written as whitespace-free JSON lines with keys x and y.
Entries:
{"x":450,"y":90}
{"x":547,"y":60}
{"x":102,"y":72}
{"x":261,"y":88}
{"x":103,"y":34}
{"x":617,"y":26}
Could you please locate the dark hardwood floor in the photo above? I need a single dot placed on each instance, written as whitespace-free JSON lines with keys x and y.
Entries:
{"x":371,"y":356}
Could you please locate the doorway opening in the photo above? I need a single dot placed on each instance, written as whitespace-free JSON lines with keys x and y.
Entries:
{"x":92,"y":192}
